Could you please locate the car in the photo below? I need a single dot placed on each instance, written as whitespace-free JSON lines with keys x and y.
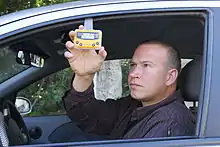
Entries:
{"x":32,"y":43}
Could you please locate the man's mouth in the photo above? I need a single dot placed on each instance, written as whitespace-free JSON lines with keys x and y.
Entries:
{"x":132,"y":85}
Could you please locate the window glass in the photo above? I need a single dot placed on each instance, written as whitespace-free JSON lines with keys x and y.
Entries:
{"x":8,"y":65}
{"x":45,"y":94}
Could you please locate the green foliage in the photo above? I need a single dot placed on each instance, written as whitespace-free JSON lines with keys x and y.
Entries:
{"x":46,"y":94}
{"x":9,"y":6}
{"x":125,"y":69}
{"x":50,"y":2}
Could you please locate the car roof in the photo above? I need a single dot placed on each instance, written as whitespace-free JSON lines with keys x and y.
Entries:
{"x":57,"y":7}
{"x":22,"y":14}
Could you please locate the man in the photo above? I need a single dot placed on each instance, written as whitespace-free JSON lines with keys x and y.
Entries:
{"x":154,"y":107}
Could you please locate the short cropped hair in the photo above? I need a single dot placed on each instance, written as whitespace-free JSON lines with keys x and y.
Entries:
{"x":174,"y":60}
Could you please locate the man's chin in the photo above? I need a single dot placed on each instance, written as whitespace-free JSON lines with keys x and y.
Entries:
{"x":136,"y":96}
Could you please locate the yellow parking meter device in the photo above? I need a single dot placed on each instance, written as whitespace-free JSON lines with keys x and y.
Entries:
{"x":88,"y":38}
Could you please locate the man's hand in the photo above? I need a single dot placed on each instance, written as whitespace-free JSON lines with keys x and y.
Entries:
{"x":84,"y":62}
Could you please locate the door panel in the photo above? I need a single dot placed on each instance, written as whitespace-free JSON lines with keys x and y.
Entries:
{"x":46,"y":124}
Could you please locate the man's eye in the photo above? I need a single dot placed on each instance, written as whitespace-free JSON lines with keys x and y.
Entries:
{"x":132,"y":65}
{"x":146,"y":65}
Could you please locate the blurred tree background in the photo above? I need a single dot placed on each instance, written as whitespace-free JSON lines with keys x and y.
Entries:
{"x":9,"y":6}
{"x":46,"y":93}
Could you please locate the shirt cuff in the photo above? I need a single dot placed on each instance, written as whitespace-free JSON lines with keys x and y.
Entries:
{"x":88,"y":91}
{"x":78,"y":97}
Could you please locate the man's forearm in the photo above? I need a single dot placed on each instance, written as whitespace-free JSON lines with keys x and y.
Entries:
{"x":82,"y":83}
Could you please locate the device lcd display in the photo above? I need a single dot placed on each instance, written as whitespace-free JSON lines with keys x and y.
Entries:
{"x":88,"y":35}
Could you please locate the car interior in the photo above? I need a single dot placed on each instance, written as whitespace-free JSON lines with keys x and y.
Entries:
{"x":121,"y":33}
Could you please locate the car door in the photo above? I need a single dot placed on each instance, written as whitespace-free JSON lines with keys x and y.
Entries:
{"x":48,"y":112}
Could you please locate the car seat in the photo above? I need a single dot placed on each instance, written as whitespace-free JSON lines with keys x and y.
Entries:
{"x":189,"y":82}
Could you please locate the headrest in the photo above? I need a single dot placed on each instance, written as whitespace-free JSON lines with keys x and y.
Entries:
{"x":190,"y":80}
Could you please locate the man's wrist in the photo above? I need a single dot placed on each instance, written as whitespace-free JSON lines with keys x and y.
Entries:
{"x":82,"y":83}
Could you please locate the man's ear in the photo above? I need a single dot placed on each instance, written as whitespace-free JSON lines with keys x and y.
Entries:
{"x":171,"y":77}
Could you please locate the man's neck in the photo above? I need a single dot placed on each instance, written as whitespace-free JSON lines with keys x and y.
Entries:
{"x":160,"y":97}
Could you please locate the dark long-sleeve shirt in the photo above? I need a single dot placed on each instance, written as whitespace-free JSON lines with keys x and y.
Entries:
{"x":126,"y":118}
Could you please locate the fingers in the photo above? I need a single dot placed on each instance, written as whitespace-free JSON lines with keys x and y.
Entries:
{"x":68,"y":55}
{"x":81,"y":27}
{"x":102,"y":53}
{"x":69,"y":45}
{"x":73,"y":33}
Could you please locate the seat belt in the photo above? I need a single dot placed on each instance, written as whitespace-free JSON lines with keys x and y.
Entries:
{"x":3,"y":135}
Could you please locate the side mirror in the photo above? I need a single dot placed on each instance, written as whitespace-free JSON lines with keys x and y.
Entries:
{"x":23,"y":105}
{"x":26,"y":58}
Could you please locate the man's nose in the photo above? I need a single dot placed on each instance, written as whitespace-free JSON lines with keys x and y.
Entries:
{"x":135,"y":72}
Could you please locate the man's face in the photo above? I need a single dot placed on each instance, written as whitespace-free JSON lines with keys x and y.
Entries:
{"x":148,"y":72}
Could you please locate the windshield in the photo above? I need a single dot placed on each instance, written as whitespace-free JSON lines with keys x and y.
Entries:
{"x":8,"y":65}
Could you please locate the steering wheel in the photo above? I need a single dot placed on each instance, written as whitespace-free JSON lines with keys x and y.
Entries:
{"x":16,"y":129}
